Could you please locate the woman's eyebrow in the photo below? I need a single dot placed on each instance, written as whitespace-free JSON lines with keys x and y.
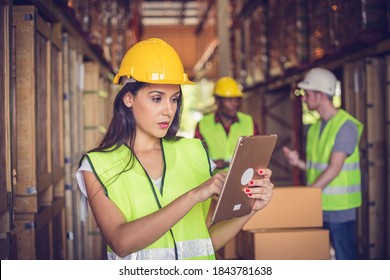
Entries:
{"x":162,"y":92}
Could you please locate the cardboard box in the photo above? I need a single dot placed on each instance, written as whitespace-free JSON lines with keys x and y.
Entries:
{"x":287,"y":244}
{"x":290,"y":207}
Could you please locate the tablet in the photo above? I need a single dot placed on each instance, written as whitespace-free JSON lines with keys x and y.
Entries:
{"x":251,"y":153}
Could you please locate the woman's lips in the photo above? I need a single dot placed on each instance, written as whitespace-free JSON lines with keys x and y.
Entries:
{"x":163,"y":125}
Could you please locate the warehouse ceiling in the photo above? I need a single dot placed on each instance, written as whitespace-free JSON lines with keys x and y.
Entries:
{"x":171,"y":12}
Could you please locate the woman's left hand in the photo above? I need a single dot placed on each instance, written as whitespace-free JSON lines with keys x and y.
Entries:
{"x":260,"y":189}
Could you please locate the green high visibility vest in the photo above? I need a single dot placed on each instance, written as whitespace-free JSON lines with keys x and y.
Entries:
{"x":344,"y":191}
{"x":220,"y":145}
{"x":130,"y":188}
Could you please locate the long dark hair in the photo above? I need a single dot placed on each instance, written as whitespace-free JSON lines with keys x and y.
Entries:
{"x":121,"y":129}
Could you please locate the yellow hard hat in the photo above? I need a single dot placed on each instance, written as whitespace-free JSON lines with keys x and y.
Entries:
{"x":228,"y":88}
{"x":152,"y":61}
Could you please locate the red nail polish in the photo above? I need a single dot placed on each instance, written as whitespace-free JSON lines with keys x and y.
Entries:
{"x":247,"y":190}
{"x":261,"y":172}
{"x":250,"y":194}
{"x":251,"y":183}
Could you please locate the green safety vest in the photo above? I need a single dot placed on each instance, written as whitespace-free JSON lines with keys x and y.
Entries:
{"x":220,"y":145}
{"x":186,"y":166}
{"x":344,"y":191}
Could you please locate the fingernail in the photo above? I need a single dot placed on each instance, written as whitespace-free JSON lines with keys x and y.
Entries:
{"x":251,"y":183}
{"x":261,"y":172}
{"x":247,"y":190}
{"x":250,"y":194}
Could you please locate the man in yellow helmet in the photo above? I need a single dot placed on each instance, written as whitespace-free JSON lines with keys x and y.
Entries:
{"x":220,"y":130}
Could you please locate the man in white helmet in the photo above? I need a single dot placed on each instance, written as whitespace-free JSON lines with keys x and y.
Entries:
{"x":332,"y":160}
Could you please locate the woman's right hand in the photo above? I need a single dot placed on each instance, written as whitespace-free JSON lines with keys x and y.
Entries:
{"x":209,"y":188}
{"x":221,"y":164}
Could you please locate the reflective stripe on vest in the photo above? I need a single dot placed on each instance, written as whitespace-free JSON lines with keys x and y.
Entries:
{"x":322,"y":166}
{"x":186,"y":166}
{"x":220,"y":145}
{"x":186,"y":250}
{"x":344,"y":191}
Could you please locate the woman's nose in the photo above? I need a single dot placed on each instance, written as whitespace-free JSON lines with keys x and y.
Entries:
{"x":169,"y":109}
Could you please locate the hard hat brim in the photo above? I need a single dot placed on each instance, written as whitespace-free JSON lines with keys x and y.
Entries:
{"x":185,"y":81}
{"x":236,"y":95}
{"x":304,"y":86}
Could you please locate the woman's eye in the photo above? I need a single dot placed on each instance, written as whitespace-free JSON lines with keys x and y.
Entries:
{"x":175,"y":99}
{"x":156,"y":98}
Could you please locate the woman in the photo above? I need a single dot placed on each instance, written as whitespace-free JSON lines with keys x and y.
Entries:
{"x":150,"y":191}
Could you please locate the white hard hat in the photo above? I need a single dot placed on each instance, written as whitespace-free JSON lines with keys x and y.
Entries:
{"x":319,"y":79}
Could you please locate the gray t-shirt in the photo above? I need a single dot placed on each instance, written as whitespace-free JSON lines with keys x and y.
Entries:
{"x":345,"y":142}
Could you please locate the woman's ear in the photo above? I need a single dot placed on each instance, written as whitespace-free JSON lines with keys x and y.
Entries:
{"x":128,"y":99}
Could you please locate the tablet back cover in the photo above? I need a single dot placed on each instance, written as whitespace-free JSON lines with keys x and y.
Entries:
{"x":251,"y":154}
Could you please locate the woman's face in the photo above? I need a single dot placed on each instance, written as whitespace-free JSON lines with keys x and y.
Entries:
{"x":154,"y":108}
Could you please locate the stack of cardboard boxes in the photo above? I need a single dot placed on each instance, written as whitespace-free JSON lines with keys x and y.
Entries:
{"x":289,"y":228}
